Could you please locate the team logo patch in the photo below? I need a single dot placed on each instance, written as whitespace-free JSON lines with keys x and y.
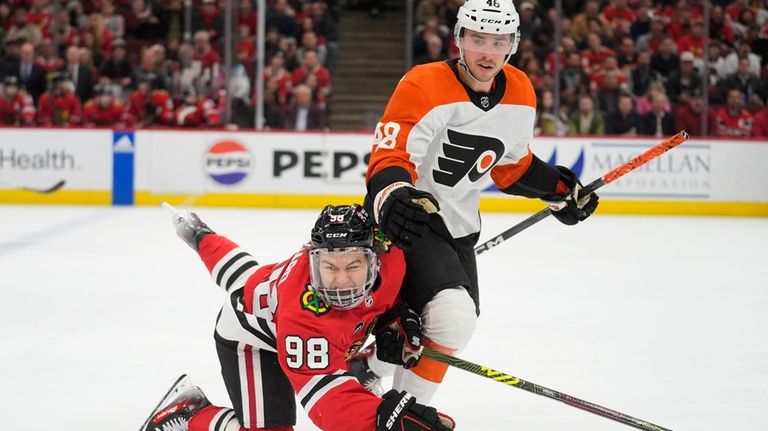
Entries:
{"x":310,"y":301}
{"x":466,"y":155}
{"x":485,"y":102}
{"x":228,"y":162}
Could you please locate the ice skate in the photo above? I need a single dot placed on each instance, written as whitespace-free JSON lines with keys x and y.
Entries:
{"x":175,"y":409}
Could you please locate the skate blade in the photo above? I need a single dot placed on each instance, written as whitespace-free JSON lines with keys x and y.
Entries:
{"x":177,"y":386}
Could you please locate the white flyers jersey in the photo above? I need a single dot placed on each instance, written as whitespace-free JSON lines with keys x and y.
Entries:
{"x":454,"y":142}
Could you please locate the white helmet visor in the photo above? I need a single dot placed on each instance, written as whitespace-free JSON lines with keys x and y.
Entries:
{"x":487,"y":43}
{"x":343,"y":277}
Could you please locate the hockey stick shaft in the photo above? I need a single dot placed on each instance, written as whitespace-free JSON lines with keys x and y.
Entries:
{"x":510,"y":380}
{"x":652,"y":153}
{"x":45,"y":191}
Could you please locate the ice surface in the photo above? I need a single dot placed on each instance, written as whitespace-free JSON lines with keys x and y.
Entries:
{"x":662,"y":318}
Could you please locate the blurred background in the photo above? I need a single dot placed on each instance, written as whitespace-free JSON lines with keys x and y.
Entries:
{"x":633,"y":67}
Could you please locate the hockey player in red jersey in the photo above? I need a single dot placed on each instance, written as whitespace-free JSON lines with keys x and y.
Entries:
{"x":149,"y":107}
{"x":104,"y":110}
{"x":16,"y":106}
{"x":60,"y":107}
{"x":288,"y":329}
{"x":197,"y":111}
{"x":450,"y":130}
{"x":732,"y":120}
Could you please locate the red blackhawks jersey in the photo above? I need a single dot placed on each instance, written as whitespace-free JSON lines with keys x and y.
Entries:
{"x":723,"y":124}
{"x":278,"y":312}
{"x":59,"y":110}
{"x":113,"y":115}
{"x":17,"y":110}
{"x":454,"y":142}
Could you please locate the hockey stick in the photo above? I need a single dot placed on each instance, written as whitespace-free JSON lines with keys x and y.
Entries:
{"x":618,"y":172}
{"x":45,"y":191}
{"x":541,"y":390}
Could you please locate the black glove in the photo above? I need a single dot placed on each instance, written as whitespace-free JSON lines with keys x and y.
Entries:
{"x":571,"y":208}
{"x":398,"y":336}
{"x":404,"y":215}
{"x":190,"y":228}
{"x":401,"y":412}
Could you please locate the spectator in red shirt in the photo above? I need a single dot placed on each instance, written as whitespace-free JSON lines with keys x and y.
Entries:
{"x":720,"y":27}
{"x":732,"y":120}
{"x":104,"y":110}
{"x":688,"y":117}
{"x":204,"y":52}
{"x":41,"y":16}
{"x":16,"y":106}
{"x":619,"y":16}
{"x":283,"y":81}
{"x":48,"y":59}
{"x":694,"y":41}
{"x":197,"y":111}
{"x":760,"y":125}
{"x":595,"y":53}
{"x":150,"y":107}
{"x":735,"y":8}
{"x":246,"y":16}
{"x":60,"y":107}
{"x":312,"y":67}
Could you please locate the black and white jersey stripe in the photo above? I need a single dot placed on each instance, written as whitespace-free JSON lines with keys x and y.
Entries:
{"x":319,"y":385}
{"x":234,"y":268}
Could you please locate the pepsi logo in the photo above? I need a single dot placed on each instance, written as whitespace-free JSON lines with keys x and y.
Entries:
{"x":228,"y":162}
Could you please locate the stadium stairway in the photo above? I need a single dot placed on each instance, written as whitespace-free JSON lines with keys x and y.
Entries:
{"x":371,"y":61}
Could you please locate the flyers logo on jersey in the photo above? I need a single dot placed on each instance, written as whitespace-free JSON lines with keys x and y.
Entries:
{"x":466,"y":155}
{"x":310,"y":301}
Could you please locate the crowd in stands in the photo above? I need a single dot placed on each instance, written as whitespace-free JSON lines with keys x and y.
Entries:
{"x":126,"y":63}
{"x":632,"y":67}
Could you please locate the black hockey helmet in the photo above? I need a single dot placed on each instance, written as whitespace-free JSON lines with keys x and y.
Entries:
{"x":343,"y":226}
{"x":343,"y":264}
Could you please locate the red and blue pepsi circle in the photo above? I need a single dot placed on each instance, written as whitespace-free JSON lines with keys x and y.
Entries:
{"x":228,"y":162}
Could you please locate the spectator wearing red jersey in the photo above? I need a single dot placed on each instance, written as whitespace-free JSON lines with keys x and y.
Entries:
{"x":40,"y":15}
{"x":48,"y":59}
{"x":619,"y":15}
{"x":693,"y":42}
{"x":760,"y":124}
{"x":197,"y":111}
{"x":150,"y":107}
{"x":16,"y":106}
{"x":595,"y":53}
{"x":732,"y":120}
{"x":104,"y":110}
{"x":688,"y":117}
{"x":283,"y":81}
{"x":312,"y":68}
{"x":735,"y":8}
{"x":720,"y":27}
{"x":245,"y":48}
{"x":60,"y":107}
{"x":246,"y":16}
{"x":204,"y":52}
{"x":304,"y":114}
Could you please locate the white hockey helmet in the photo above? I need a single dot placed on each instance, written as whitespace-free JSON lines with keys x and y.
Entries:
{"x":489,"y":16}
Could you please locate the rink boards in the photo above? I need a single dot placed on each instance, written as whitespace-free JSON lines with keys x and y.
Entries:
{"x":298,"y":170}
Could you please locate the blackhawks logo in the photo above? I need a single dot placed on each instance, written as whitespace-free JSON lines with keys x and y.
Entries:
{"x":310,"y":301}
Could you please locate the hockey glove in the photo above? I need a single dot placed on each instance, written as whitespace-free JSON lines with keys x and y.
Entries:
{"x":399,"y":411}
{"x":404,"y":215}
{"x":190,"y":228}
{"x":566,"y":203}
{"x":398,"y":336}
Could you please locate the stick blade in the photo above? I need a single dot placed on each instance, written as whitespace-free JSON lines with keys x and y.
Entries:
{"x":51,"y":189}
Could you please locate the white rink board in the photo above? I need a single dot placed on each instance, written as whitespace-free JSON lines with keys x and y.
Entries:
{"x":39,"y":158}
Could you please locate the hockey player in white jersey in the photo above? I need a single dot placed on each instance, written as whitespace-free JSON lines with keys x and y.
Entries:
{"x":450,"y":130}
